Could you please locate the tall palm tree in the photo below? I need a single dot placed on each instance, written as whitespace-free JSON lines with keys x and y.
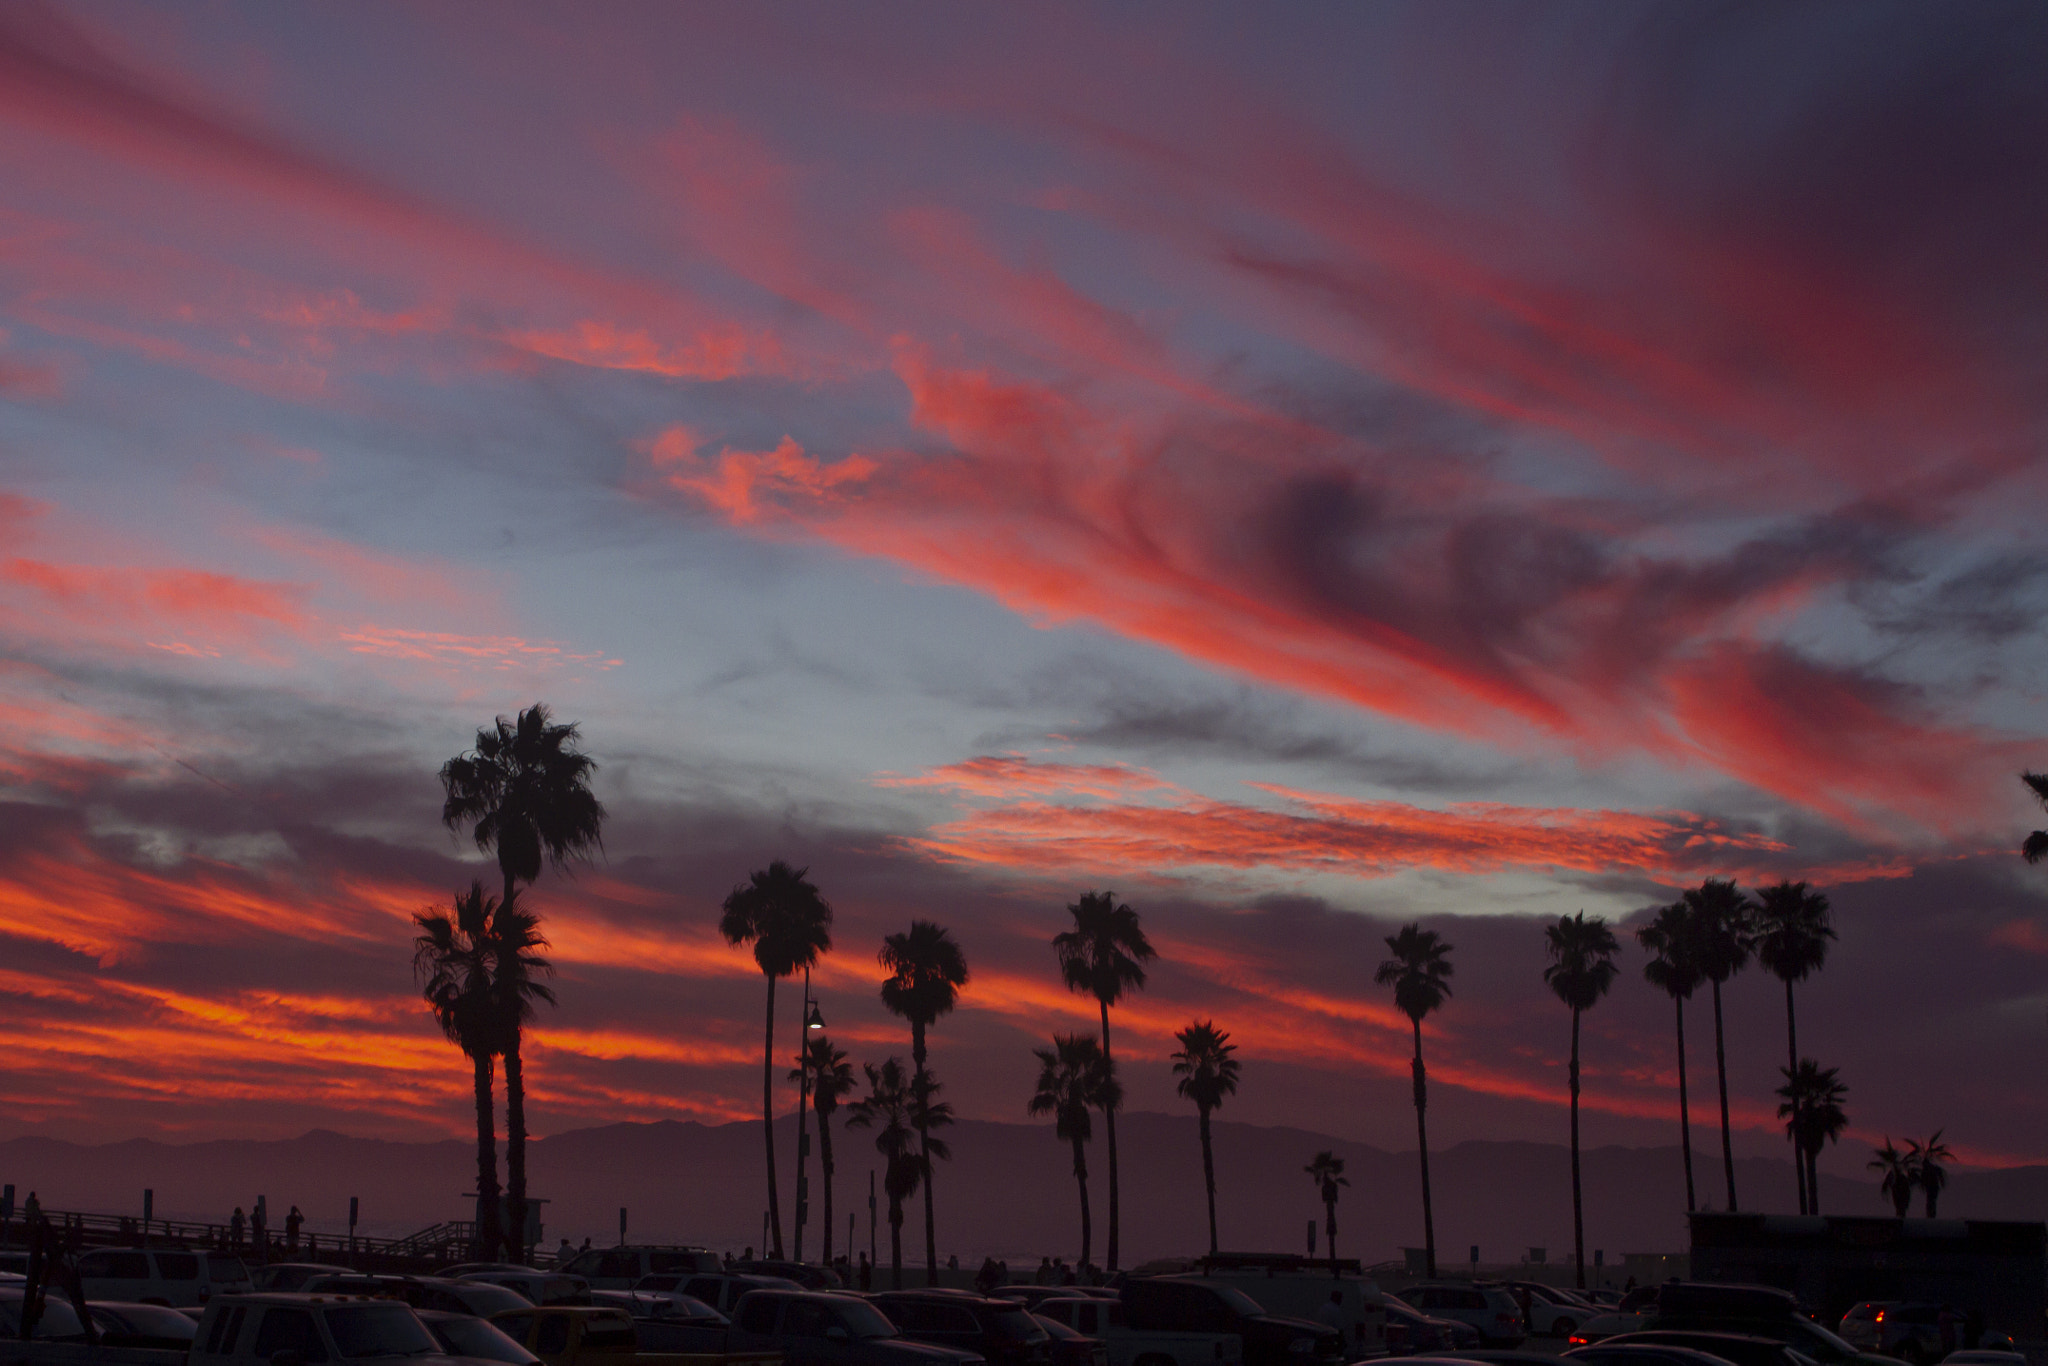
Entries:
{"x":1580,"y":972}
{"x":524,"y":791}
{"x":1792,"y":935}
{"x":1207,"y":1073}
{"x":1926,"y":1160}
{"x":1104,"y":955}
{"x":1674,"y":969}
{"x":454,"y":968}
{"x":1721,"y":935}
{"x":516,"y":965}
{"x":831,"y":1082}
{"x":1896,"y":1175}
{"x":1327,"y":1171}
{"x":1074,"y":1077}
{"x":1813,"y":1115}
{"x":926,"y":971}
{"x":894,"y":1108}
{"x":1420,"y":974}
{"x":780,"y":913}
{"x":2036,"y":847}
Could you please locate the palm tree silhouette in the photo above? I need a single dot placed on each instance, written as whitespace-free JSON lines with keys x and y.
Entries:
{"x":1721,"y":924}
{"x":1929,"y":1175}
{"x":1419,"y":972}
{"x":1813,"y":1115}
{"x":512,"y":943}
{"x":897,"y":1109}
{"x":454,"y":968}
{"x":1104,"y":955}
{"x":1207,"y":1073}
{"x":525,"y":793}
{"x":926,"y":971}
{"x":781,"y":914}
{"x":1792,"y":934}
{"x":831,"y":1082}
{"x":1074,"y":1077}
{"x":2036,"y":847}
{"x":1327,"y":1171}
{"x":1580,"y":972}
{"x":1896,"y":1168}
{"x":1674,"y":969}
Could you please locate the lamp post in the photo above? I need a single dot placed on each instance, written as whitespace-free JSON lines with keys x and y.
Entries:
{"x":814,"y":1019}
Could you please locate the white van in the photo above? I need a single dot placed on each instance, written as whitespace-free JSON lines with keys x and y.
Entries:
{"x":291,"y":1328}
{"x":619,"y":1268}
{"x":161,"y":1276}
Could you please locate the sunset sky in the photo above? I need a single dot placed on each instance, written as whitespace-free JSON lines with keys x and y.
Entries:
{"x":1303,"y":468}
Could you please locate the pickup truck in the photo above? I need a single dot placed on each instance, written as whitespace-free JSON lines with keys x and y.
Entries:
{"x":582,"y":1335}
{"x":1104,"y":1321}
{"x":830,"y":1328}
{"x":1191,"y":1304}
{"x":292,"y":1328}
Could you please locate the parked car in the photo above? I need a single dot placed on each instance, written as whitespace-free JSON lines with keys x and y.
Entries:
{"x":1738,"y":1349}
{"x":1127,"y":1346}
{"x":672,"y":1323}
{"x":1643,"y":1354}
{"x":616,"y":1268}
{"x":142,"y":1325}
{"x":1031,"y":1295}
{"x":1629,"y":1316}
{"x":827,"y":1328}
{"x":466,"y":1335}
{"x":1408,"y":1331}
{"x":292,"y":1328}
{"x":1551,"y":1312}
{"x":482,"y":1298}
{"x":292,"y":1275}
{"x":1191,"y":1304}
{"x":59,"y":1322}
{"x":1752,"y":1310}
{"x":1002,"y":1332}
{"x":1488,"y":1306}
{"x":1070,"y":1348}
{"x":161,"y":1276}
{"x":1895,"y":1328}
{"x":723,"y":1290}
{"x":571,"y":1334}
{"x":538,"y":1287}
{"x":803,"y":1273}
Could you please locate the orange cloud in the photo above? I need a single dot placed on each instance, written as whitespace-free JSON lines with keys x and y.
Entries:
{"x":737,"y":481}
{"x":719,"y":355}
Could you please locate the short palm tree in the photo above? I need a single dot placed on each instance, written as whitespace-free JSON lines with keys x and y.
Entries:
{"x":1895,"y":1170}
{"x":1792,"y":936}
{"x":1104,"y":955}
{"x":1929,"y":1174}
{"x":1811,"y":1107}
{"x":1207,"y":1073}
{"x":2036,"y":847}
{"x":1420,"y":974}
{"x":780,"y":913}
{"x":524,"y":791}
{"x":513,"y":943}
{"x":831,"y":1082}
{"x":1674,"y":969}
{"x":1327,"y":1171}
{"x":926,"y":971}
{"x":1721,"y":929}
{"x":895,"y":1110}
{"x":1580,"y":972}
{"x":454,"y":968}
{"x":1073,"y":1078}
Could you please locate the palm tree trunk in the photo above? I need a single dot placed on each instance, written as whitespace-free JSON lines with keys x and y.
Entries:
{"x":1684,"y":1111}
{"x":1087,"y":1222}
{"x":1422,"y":1146}
{"x":486,"y":1163}
{"x":1209,"y":1177}
{"x":1721,"y":1072}
{"x":515,"y":1153}
{"x":924,"y":1156}
{"x":768,"y":1120}
{"x":1109,"y":1135}
{"x":825,"y":1171}
{"x":1799,"y":1164}
{"x":895,"y":1242}
{"x":1578,"y":1207}
{"x":1330,"y":1232}
{"x":1812,"y":1182}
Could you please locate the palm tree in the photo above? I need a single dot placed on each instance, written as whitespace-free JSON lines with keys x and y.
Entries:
{"x":454,"y":969}
{"x":1419,"y":972}
{"x":1721,"y":923}
{"x":524,"y":791}
{"x":895,"y":1108}
{"x":1674,"y":969}
{"x":831,"y":1082}
{"x":1792,"y":934}
{"x":926,"y":971}
{"x":1897,"y":1183}
{"x":512,"y":942}
{"x":1104,"y":955}
{"x":1327,"y":1171}
{"x":1926,"y":1161}
{"x":1207,"y":1073}
{"x":1074,"y":1077}
{"x":1580,"y":972}
{"x":1813,"y":1115}
{"x":781,"y":914}
{"x":2036,"y":847}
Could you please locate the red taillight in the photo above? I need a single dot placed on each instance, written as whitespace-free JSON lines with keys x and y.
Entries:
{"x":1880,"y":1316}
{"x":1578,"y":1341}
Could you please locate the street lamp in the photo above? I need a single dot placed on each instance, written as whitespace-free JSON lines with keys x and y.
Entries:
{"x":817,"y":1018}
{"x":813,"y":1019}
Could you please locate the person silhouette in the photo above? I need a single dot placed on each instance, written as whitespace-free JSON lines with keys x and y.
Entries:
{"x":236,"y":1223}
{"x":867,"y":1273}
{"x":292,"y":1221}
{"x":563,"y":1254}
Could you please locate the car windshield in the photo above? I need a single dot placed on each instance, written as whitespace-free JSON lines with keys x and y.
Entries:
{"x":467,"y":1337}
{"x":58,"y":1321}
{"x":225,"y":1266}
{"x":1014,"y":1325}
{"x":1821,"y":1343}
{"x":155,"y":1320}
{"x":1054,"y":1328}
{"x":379,"y":1330}
{"x":689,"y":1307}
{"x":1397,"y":1302}
{"x":863,"y":1320}
{"x":1237,"y":1299}
{"x":486,"y":1299}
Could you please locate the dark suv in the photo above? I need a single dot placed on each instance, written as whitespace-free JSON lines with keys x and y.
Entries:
{"x":1174,"y":1304}
{"x":1754,"y":1310}
{"x":1003,"y":1331}
{"x":824,"y":1328}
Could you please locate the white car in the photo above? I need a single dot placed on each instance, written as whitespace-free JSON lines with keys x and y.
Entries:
{"x":161,"y":1276}
{"x":292,"y":1328}
{"x":1553,"y":1313}
{"x":1637,"y":1308}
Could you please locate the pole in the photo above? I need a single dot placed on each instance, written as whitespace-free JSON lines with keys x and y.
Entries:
{"x":622,"y":1225}
{"x":353,"y":1210}
{"x":803,"y":1105}
{"x":148,"y":1212}
{"x":872,"y":1254}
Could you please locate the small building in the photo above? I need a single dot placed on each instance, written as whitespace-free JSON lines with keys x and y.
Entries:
{"x":1831,"y":1264}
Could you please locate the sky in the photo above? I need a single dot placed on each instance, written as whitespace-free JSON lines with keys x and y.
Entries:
{"x":1305,"y":471}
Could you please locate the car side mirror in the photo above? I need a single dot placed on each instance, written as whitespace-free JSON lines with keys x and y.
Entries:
{"x":288,"y":1356}
{"x":837,"y":1334}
